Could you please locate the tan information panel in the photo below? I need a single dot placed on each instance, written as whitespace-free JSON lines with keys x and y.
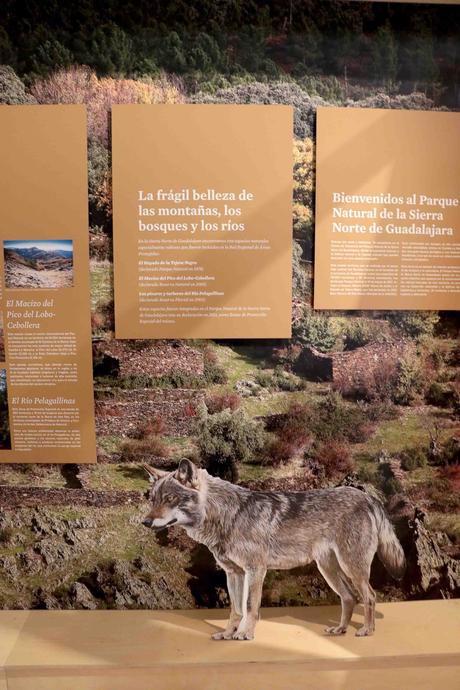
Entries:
{"x":46,"y":389}
{"x":202,"y":221}
{"x":387,"y":209}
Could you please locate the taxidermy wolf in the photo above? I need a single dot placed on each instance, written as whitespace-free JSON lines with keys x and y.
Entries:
{"x":249,"y":532}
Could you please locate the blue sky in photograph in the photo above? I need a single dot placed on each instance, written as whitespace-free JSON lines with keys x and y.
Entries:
{"x":45,"y":245}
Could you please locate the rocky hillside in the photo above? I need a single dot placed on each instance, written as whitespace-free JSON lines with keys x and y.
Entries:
{"x":35,"y":268}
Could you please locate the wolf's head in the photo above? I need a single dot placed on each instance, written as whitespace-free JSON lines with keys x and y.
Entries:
{"x":174,"y":497}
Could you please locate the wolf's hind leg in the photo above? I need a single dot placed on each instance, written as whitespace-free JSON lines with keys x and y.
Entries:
{"x":359,"y":572}
{"x":235,"y":585}
{"x":368,"y":596}
{"x":330,"y":569}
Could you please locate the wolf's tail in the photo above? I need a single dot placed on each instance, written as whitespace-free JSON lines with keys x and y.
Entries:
{"x":389,"y":549}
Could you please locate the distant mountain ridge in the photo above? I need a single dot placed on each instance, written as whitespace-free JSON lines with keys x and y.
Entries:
{"x":40,"y":259}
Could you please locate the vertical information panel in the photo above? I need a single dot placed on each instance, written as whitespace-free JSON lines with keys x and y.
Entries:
{"x":387,"y":232}
{"x":202,"y":221}
{"x":46,"y":389}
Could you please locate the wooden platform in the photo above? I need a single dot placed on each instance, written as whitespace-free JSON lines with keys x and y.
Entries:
{"x":416,"y":646}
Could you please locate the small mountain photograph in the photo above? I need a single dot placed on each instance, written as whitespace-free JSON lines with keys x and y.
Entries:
{"x":5,"y":437}
{"x":38,"y":263}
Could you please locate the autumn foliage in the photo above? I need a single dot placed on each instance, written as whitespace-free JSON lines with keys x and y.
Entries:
{"x":81,"y":85}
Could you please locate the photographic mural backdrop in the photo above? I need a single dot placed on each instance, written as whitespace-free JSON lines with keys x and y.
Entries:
{"x":374,"y":404}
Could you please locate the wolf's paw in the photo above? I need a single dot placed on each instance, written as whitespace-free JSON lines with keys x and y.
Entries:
{"x":243,"y":635}
{"x":336,"y":630}
{"x":364,"y":632}
{"x":224,"y":635}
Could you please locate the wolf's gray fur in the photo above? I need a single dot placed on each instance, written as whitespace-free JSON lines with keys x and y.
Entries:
{"x":249,"y":532}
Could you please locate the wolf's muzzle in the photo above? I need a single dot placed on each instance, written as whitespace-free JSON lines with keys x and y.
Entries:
{"x":148,"y":522}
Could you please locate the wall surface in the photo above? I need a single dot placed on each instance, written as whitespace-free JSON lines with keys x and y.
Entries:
{"x":369,"y":399}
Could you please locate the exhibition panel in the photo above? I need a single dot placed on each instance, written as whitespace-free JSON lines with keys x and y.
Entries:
{"x":202,"y":221}
{"x":46,"y":384}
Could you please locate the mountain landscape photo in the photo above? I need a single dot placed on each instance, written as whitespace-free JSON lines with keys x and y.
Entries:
{"x":38,"y":264}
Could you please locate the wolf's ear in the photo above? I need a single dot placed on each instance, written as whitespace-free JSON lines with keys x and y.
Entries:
{"x":154,"y":474}
{"x":187,"y":474}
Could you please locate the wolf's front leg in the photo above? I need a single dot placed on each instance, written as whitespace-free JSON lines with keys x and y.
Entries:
{"x":235,"y":583}
{"x":252,"y":595}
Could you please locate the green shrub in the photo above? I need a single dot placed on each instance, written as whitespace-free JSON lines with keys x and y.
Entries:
{"x":280,"y":380}
{"x":299,"y":277}
{"x":359,"y":332}
{"x":330,"y":419}
{"x":392,"y":486}
{"x":335,"y":419}
{"x":379,"y":410}
{"x":226,"y":439}
{"x":289,"y":382}
{"x":173,"y":379}
{"x":264,"y":378}
{"x":315,"y":330}
{"x":415,"y":324}
{"x":410,"y":380}
{"x":412,"y":458}
{"x":440,"y":395}
{"x":367,"y":473}
{"x":213,"y":373}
